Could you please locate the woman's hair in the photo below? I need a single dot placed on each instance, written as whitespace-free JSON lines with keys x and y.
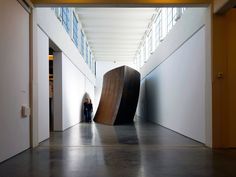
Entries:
{"x":86,"y":99}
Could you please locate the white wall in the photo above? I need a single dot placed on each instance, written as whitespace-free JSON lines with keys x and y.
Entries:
{"x":101,"y":68}
{"x":43,"y":85}
{"x":177,"y":78}
{"x":71,"y":87}
{"x":72,"y":76}
{"x":73,"y":90}
{"x":90,"y":89}
{"x":142,"y":105}
{"x":14,"y":78}
{"x":57,"y":93}
{"x":49,"y":23}
{"x":176,"y":90}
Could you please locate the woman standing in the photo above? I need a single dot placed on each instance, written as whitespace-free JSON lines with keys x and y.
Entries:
{"x":88,"y":109}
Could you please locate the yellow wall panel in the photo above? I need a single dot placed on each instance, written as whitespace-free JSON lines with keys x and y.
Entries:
{"x":231,"y":66}
{"x":224,"y":89}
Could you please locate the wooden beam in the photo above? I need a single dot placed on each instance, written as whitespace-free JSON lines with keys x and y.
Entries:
{"x":222,"y":6}
{"x":121,"y":3}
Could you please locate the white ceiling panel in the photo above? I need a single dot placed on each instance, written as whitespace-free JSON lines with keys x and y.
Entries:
{"x":115,"y":33}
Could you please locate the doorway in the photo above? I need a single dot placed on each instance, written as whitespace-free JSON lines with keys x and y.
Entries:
{"x":51,"y":89}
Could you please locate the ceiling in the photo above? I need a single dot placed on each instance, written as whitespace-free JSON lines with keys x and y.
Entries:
{"x":115,"y":33}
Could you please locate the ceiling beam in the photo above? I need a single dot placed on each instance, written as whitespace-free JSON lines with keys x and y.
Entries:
{"x":121,"y":3}
{"x":222,"y":6}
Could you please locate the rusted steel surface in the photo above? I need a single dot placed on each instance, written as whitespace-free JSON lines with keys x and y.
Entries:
{"x":119,"y":97}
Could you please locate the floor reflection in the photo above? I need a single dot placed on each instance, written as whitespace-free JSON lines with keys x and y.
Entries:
{"x":139,"y":150}
{"x":119,"y":135}
{"x":118,"y":159}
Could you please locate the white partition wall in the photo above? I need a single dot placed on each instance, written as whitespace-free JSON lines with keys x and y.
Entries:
{"x":89,"y":87}
{"x":57,"y":92}
{"x":43,"y":85}
{"x":176,"y":79}
{"x":73,"y":90}
{"x":50,"y":24}
{"x":142,"y":105}
{"x":70,"y":86}
{"x":72,"y":76}
{"x":176,"y":90}
{"x":14,"y":78}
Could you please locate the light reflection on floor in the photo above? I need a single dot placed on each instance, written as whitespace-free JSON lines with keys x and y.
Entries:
{"x":139,"y":150}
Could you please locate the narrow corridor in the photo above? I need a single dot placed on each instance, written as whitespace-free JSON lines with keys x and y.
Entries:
{"x":139,"y":150}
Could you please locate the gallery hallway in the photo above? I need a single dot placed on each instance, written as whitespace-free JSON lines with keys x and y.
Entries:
{"x":140,"y":150}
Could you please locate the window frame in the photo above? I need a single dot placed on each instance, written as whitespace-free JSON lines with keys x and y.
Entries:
{"x":75,"y":30}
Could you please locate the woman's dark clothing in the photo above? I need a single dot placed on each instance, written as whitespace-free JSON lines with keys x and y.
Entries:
{"x":88,"y":109}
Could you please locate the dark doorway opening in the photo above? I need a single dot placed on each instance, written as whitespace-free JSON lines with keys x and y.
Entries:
{"x":51,"y":90}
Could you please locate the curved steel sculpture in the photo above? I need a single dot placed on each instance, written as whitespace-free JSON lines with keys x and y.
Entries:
{"x":119,"y":97}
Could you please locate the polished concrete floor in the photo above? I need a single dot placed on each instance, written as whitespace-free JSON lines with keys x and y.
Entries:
{"x":139,"y":150}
